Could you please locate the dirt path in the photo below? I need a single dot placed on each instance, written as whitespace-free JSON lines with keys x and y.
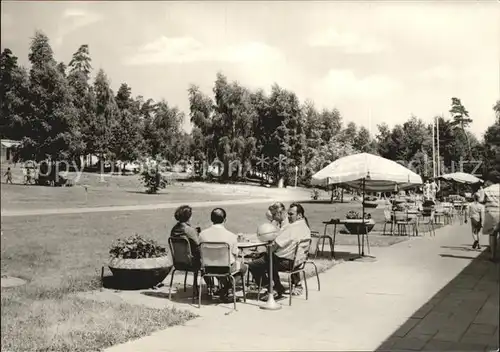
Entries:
{"x":11,"y":213}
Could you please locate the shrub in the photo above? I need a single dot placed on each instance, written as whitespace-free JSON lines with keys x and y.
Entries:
{"x":153,"y":180}
{"x":352,"y":214}
{"x":136,"y":247}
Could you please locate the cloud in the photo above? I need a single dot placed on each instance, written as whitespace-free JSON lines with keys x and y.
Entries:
{"x":166,"y":50}
{"x":348,"y":42}
{"x":442,"y":72}
{"x":73,"y":19}
{"x":7,"y":20}
{"x":344,"y":84}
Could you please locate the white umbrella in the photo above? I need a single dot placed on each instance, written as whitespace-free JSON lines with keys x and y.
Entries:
{"x":367,"y":172}
{"x":378,"y":174}
{"x":461,"y":177}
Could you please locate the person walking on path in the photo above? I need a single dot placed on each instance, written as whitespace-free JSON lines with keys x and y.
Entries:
{"x":8,"y":176}
{"x":492,"y":218}
{"x":476,"y":215}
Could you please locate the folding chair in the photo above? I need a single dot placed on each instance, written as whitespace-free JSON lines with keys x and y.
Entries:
{"x":183,"y":261}
{"x":388,"y":220}
{"x":429,"y":222}
{"x":216,"y":262}
{"x":297,"y":266}
{"x":318,"y":238}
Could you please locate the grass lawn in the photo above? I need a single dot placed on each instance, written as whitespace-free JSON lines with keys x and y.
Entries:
{"x":20,"y":197}
{"x":61,"y":254}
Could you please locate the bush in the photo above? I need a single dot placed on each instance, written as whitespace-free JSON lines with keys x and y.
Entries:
{"x":352,"y":214}
{"x":137,"y":247}
{"x":153,"y":180}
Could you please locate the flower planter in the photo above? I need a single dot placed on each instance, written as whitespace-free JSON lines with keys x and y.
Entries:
{"x":355,"y":226}
{"x":140,"y":273}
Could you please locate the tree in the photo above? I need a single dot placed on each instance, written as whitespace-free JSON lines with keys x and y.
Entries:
{"x":363,"y":141}
{"x":232,"y":124}
{"x":285,"y":125}
{"x":461,"y":119}
{"x":331,"y":124}
{"x":202,"y":113}
{"x":491,"y":149}
{"x":81,"y":61}
{"x":348,"y":135}
{"x":84,"y":98}
{"x":383,"y":139}
{"x":52,"y":130}
{"x":106,"y":116}
{"x":496,"y":108}
{"x":162,"y":131}
{"x":14,"y":96}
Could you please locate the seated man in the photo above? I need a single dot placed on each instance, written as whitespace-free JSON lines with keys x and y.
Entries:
{"x":283,"y":250}
{"x":218,"y":233}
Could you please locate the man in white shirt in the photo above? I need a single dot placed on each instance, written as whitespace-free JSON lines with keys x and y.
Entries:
{"x":283,"y":250}
{"x":218,"y":233}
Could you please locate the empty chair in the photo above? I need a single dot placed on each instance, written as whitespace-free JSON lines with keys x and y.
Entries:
{"x":388,"y":220}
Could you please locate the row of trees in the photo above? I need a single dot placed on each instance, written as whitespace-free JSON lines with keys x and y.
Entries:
{"x":58,"y":113}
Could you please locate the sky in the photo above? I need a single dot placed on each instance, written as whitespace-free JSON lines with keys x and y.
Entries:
{"x":374,"y":61}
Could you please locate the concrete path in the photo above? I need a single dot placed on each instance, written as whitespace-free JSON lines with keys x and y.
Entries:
{"x":361,"y":306}
{"x":11,"y":213}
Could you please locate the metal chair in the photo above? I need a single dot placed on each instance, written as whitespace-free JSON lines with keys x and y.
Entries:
{"x":388,"y":220}
{"x":402,"y":222}
{"x":183,"y":261}
{"x":297,"y":266}
{"x":315,"y":235}
{"x":216,"y":262}
{"x":430,"y":222}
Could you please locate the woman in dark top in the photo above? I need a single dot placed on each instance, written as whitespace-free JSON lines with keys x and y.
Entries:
{"x":184,"y":229}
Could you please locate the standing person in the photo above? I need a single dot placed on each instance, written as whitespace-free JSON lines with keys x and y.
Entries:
{"x":476,"y":215}
{"x":434,"y":188}
{"x":427,"y":190}
{"x":492,"y":218}
{"x":8,"y":176}
{"x":481,"y":194}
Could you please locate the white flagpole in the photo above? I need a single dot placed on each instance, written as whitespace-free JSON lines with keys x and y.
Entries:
{"x":437,"y":144}
{"x":433,"y":151}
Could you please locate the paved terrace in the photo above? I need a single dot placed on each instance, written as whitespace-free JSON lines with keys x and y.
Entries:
{"x":429,"y":293}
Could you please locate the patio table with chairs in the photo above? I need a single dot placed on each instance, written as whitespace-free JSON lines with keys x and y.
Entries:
{"x":401,"y":220}
{"x":331,"y":237}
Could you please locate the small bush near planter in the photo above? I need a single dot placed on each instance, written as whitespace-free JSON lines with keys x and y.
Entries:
{"x":137,"y":247}
{"x":153,"y":180}
{"x":352,"y":214}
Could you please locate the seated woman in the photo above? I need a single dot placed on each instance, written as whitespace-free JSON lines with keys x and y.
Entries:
{"x":277,"y":215}
{"x":183,"y":228}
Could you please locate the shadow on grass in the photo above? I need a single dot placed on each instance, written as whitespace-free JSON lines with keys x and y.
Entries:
{"x":462,"y":316}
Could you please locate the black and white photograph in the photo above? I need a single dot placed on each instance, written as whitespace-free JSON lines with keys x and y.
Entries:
{"x":250,"y":175}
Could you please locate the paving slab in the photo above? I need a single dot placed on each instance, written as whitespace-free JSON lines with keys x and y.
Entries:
{"x":377,"y":305}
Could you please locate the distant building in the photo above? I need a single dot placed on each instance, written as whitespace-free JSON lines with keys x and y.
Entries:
{"x":8,"y":150}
